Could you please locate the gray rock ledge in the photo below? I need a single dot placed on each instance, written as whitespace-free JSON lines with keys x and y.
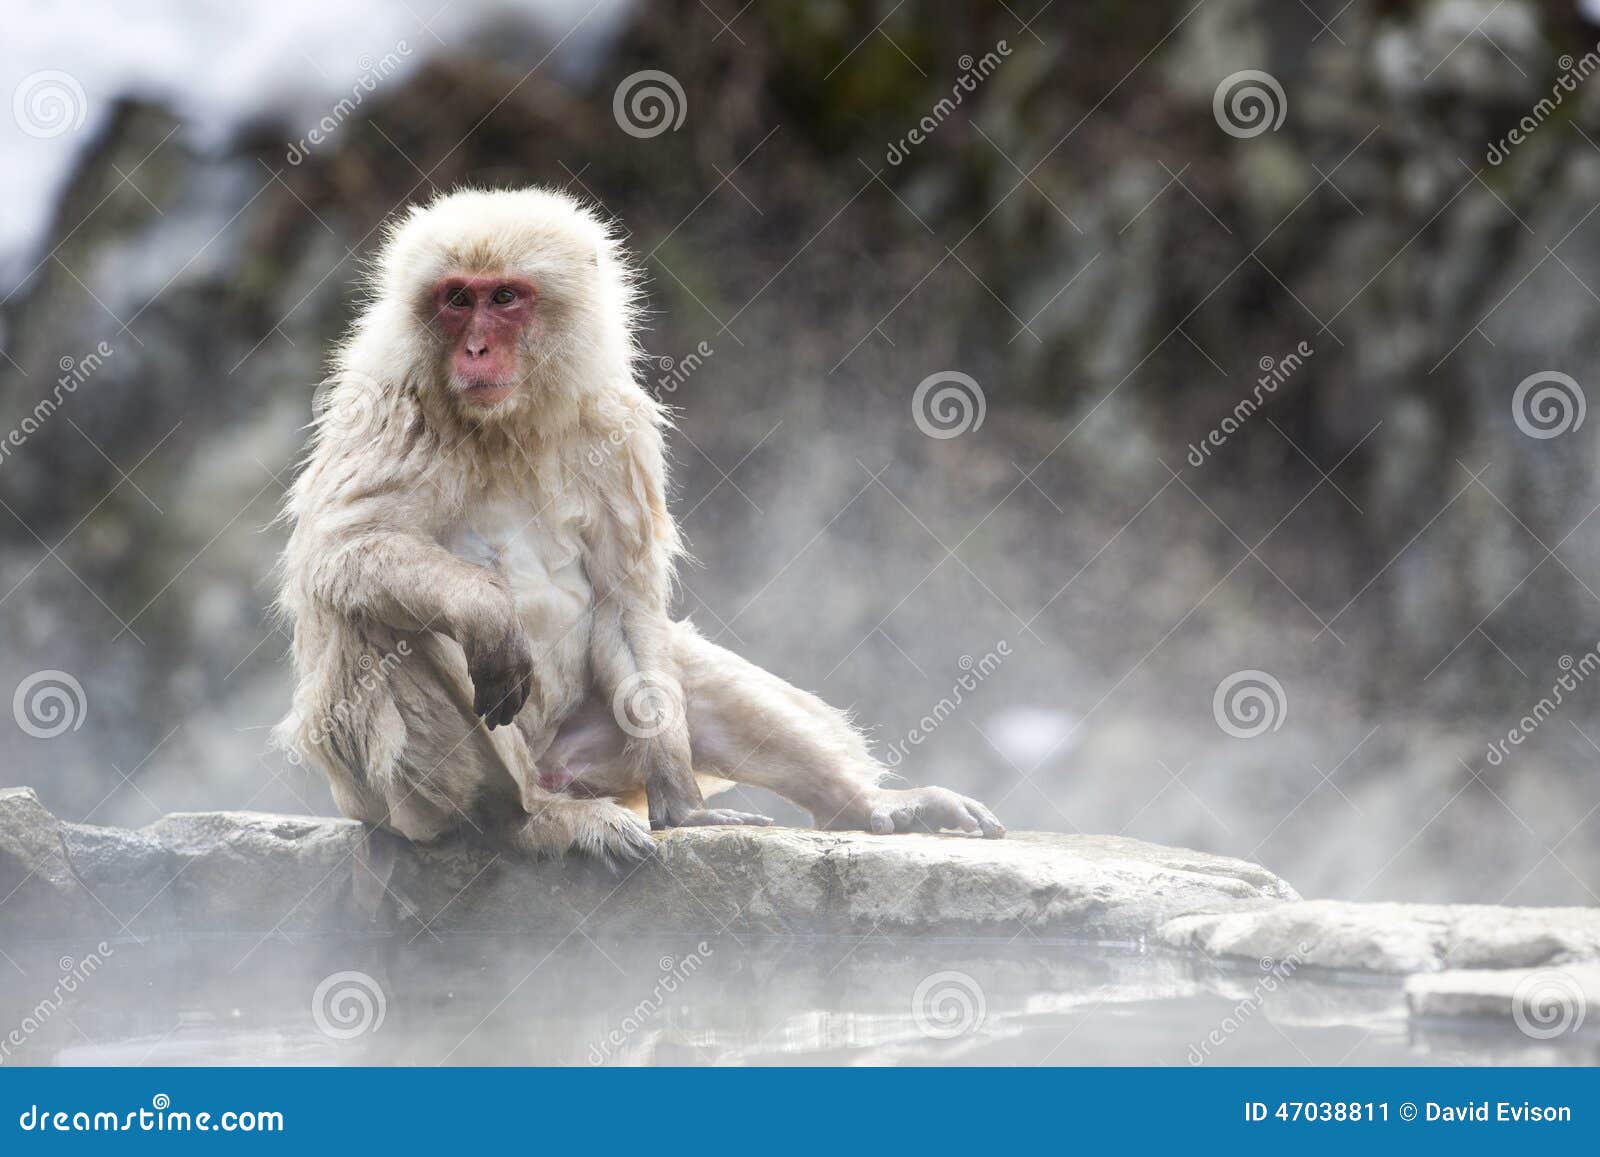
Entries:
{"x":1543,"y":1002}
{"x":245,"y":872}
{"x":1395,"y":938}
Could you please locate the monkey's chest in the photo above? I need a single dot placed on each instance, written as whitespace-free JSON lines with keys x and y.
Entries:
{"x":541,"y":564}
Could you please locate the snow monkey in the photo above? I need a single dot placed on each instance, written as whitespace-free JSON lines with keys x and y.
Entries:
{"x":481,"y":561}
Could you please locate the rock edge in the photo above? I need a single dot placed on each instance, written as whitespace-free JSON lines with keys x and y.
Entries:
{"x":251,"y":873}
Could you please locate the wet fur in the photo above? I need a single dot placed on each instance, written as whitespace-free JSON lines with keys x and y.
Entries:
{"x":385,"y":560}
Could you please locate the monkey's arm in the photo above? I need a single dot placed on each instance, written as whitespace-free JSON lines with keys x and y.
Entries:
{"x":408,"y":581}
{"x":632,"y":545}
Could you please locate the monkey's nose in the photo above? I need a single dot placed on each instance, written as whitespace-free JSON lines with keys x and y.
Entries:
{"x":477,"y":349}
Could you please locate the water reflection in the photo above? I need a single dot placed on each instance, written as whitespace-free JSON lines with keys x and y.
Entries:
{"x":718,"y":1000}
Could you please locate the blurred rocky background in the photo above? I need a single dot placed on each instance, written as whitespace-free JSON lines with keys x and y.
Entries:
{"x":1065,"y":607}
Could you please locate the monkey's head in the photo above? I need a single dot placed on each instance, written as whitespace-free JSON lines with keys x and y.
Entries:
{"x":519,"y":294}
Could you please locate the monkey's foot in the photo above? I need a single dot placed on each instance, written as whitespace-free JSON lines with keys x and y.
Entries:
{"x":929,"y":809}
{"x":600,"y":828}
{"x":624,"y":839}
{"x":712,"y":816}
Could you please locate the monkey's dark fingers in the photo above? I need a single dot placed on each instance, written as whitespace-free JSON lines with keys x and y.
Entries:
{"x":502,"y":677}
{"x":498,"y":698}
{"x":515,"y":698}
{"x":486,"y":701}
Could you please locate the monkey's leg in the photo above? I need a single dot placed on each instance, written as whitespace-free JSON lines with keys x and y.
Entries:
{"x":452,"y":772}
{"x":590,"y":755}
{"x":635,"y":678}
{"x":747,"y":725}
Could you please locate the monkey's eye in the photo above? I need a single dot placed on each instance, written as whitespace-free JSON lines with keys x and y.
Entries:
{"x":458,"y":299}
{"x":503,"y":296}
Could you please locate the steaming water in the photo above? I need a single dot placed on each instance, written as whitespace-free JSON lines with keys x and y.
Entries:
{"x":495,"y":1000}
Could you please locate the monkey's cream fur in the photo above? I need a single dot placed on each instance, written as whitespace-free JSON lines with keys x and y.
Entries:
{"x":438,"y":548}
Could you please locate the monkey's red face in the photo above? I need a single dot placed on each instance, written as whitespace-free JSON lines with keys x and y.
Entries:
{"x":486,"y":319}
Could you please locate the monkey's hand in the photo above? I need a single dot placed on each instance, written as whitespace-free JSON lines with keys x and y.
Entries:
{"x":502,"y":674}
{"x":928,"y":809}
{"x":675,"y":801}
{"x":706,"y":817}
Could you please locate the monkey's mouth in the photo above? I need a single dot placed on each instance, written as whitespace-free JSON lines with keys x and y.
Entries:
{"x":485,"y":393}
